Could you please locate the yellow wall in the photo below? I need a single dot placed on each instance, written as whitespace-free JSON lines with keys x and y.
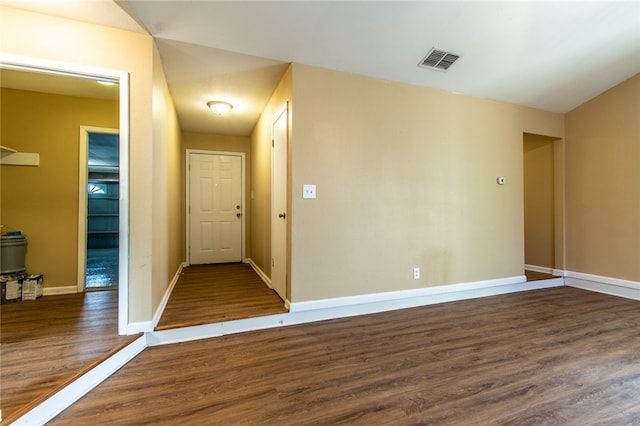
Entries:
{"x":406,"y":177}
{"x":167,"y":213}
{"x":603,"y":184}
{"x":42,"y":201}
{"x":210,"y":142}
{"x":539,"y":205}
{"x":261,"y":174}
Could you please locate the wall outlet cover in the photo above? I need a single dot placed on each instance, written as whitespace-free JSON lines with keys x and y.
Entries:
{"x":308,"y":191}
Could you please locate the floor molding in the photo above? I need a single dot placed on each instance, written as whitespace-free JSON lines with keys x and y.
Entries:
{"x":545,"y":270}
{"x":259,"y":271}
{"x":305,"y":312}
{"x":55,"y":291}
{"x":167,"y":295}
{"x":57,"y":403}
{"x":421,"y":296}
{"x":601,"y":284}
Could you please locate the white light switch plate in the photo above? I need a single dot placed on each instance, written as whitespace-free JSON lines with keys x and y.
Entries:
{"x":308,"y":191}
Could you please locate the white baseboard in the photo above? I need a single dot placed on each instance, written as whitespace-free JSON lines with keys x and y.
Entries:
{"x":545,"y":270}
{"x":57,"y":403}
{"x":266,"y":279}
{"x":167,"y":294}
{"x":139,"y":327}
{"x":601,"y":284}
{"x":53,"y":291}
{"x":259,"y":271}
{"x":454,"y":292}
{"x":319,"y":310}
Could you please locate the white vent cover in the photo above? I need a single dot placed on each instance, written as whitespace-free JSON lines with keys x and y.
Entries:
{"x":438,"y":59}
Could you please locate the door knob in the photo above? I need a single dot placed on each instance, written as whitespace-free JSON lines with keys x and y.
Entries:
{"x":238,"y":207}
{"x":238,"y":215}
{"x":282,"y":215}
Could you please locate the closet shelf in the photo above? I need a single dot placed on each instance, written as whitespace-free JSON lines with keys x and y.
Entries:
{"x":12,"y":157}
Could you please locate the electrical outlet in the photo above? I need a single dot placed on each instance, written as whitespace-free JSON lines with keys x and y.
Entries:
{"x":416,"y":273}
{"x":308,"y":191}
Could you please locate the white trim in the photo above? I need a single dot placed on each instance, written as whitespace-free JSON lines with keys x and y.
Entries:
{"x":545,"y":270}
{"x":267,"y":280}
{"x":408,"y":294}
{"x":83,"y":202}
{"x":185,"y":334}
{"x":123,"y":243}
{"x":259,"y":271}
{"x":139,"y":327}
{"x":188,"y":195}
{"x":47,"y":66}
{"x":601,"y":284}
{"x":319,"y":310}
{"x":53,"y":291}
{"x":542,"y":269}
{"x":61,"y":400}
{"x":167,"y":295}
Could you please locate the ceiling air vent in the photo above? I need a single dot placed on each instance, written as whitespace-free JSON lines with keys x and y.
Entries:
{"x":438,"y":59}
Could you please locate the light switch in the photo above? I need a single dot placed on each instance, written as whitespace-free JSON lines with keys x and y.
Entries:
{"x":308,"y":191}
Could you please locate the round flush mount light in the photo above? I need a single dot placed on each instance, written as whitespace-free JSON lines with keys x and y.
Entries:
{"x":219,"y":107}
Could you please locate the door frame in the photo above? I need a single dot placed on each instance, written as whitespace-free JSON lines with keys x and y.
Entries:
{"x":46,"y":66}
{"x":242,"y":156}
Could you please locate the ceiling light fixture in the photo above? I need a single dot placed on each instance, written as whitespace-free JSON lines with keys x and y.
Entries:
{"x":219,"y":107}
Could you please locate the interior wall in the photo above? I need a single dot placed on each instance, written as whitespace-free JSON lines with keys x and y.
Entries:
{"x":602,"y":184}
{"x":67,"y":41}
{"x":42,"y":201}
{"x":166,"y":214}
{"x":212,"y":142}
{"x":406,"y":177}
{"x":539,"y":200}
{"x":261,"y":174}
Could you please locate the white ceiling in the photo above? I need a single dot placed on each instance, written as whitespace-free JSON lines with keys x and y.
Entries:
{"x":58,"y":84}
{"x":548,"y":55}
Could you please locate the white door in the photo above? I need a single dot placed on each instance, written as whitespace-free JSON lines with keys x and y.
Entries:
{"x":279,"y":205}
{"x":215,"y":208}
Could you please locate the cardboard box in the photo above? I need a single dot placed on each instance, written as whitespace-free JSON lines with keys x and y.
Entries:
{"x":11,"y":290}
{"x":32,"y":287}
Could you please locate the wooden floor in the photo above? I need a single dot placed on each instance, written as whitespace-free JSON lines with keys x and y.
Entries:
{"x":206,"y":294}
{"x":46,"y":343}
{"x":559,"y":356}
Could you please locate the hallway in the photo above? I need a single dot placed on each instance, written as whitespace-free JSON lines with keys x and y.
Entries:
{"x":206,"y":294}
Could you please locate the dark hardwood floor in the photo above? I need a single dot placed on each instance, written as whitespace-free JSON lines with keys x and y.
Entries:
{"x":47,"y":343}
{"x":559,"y":356}
{"x":206,"y":294}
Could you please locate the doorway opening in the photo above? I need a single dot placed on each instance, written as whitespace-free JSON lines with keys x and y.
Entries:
{"x":542,"y":206}
{"x":102,"y":207}
{"x":80,"y":74}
